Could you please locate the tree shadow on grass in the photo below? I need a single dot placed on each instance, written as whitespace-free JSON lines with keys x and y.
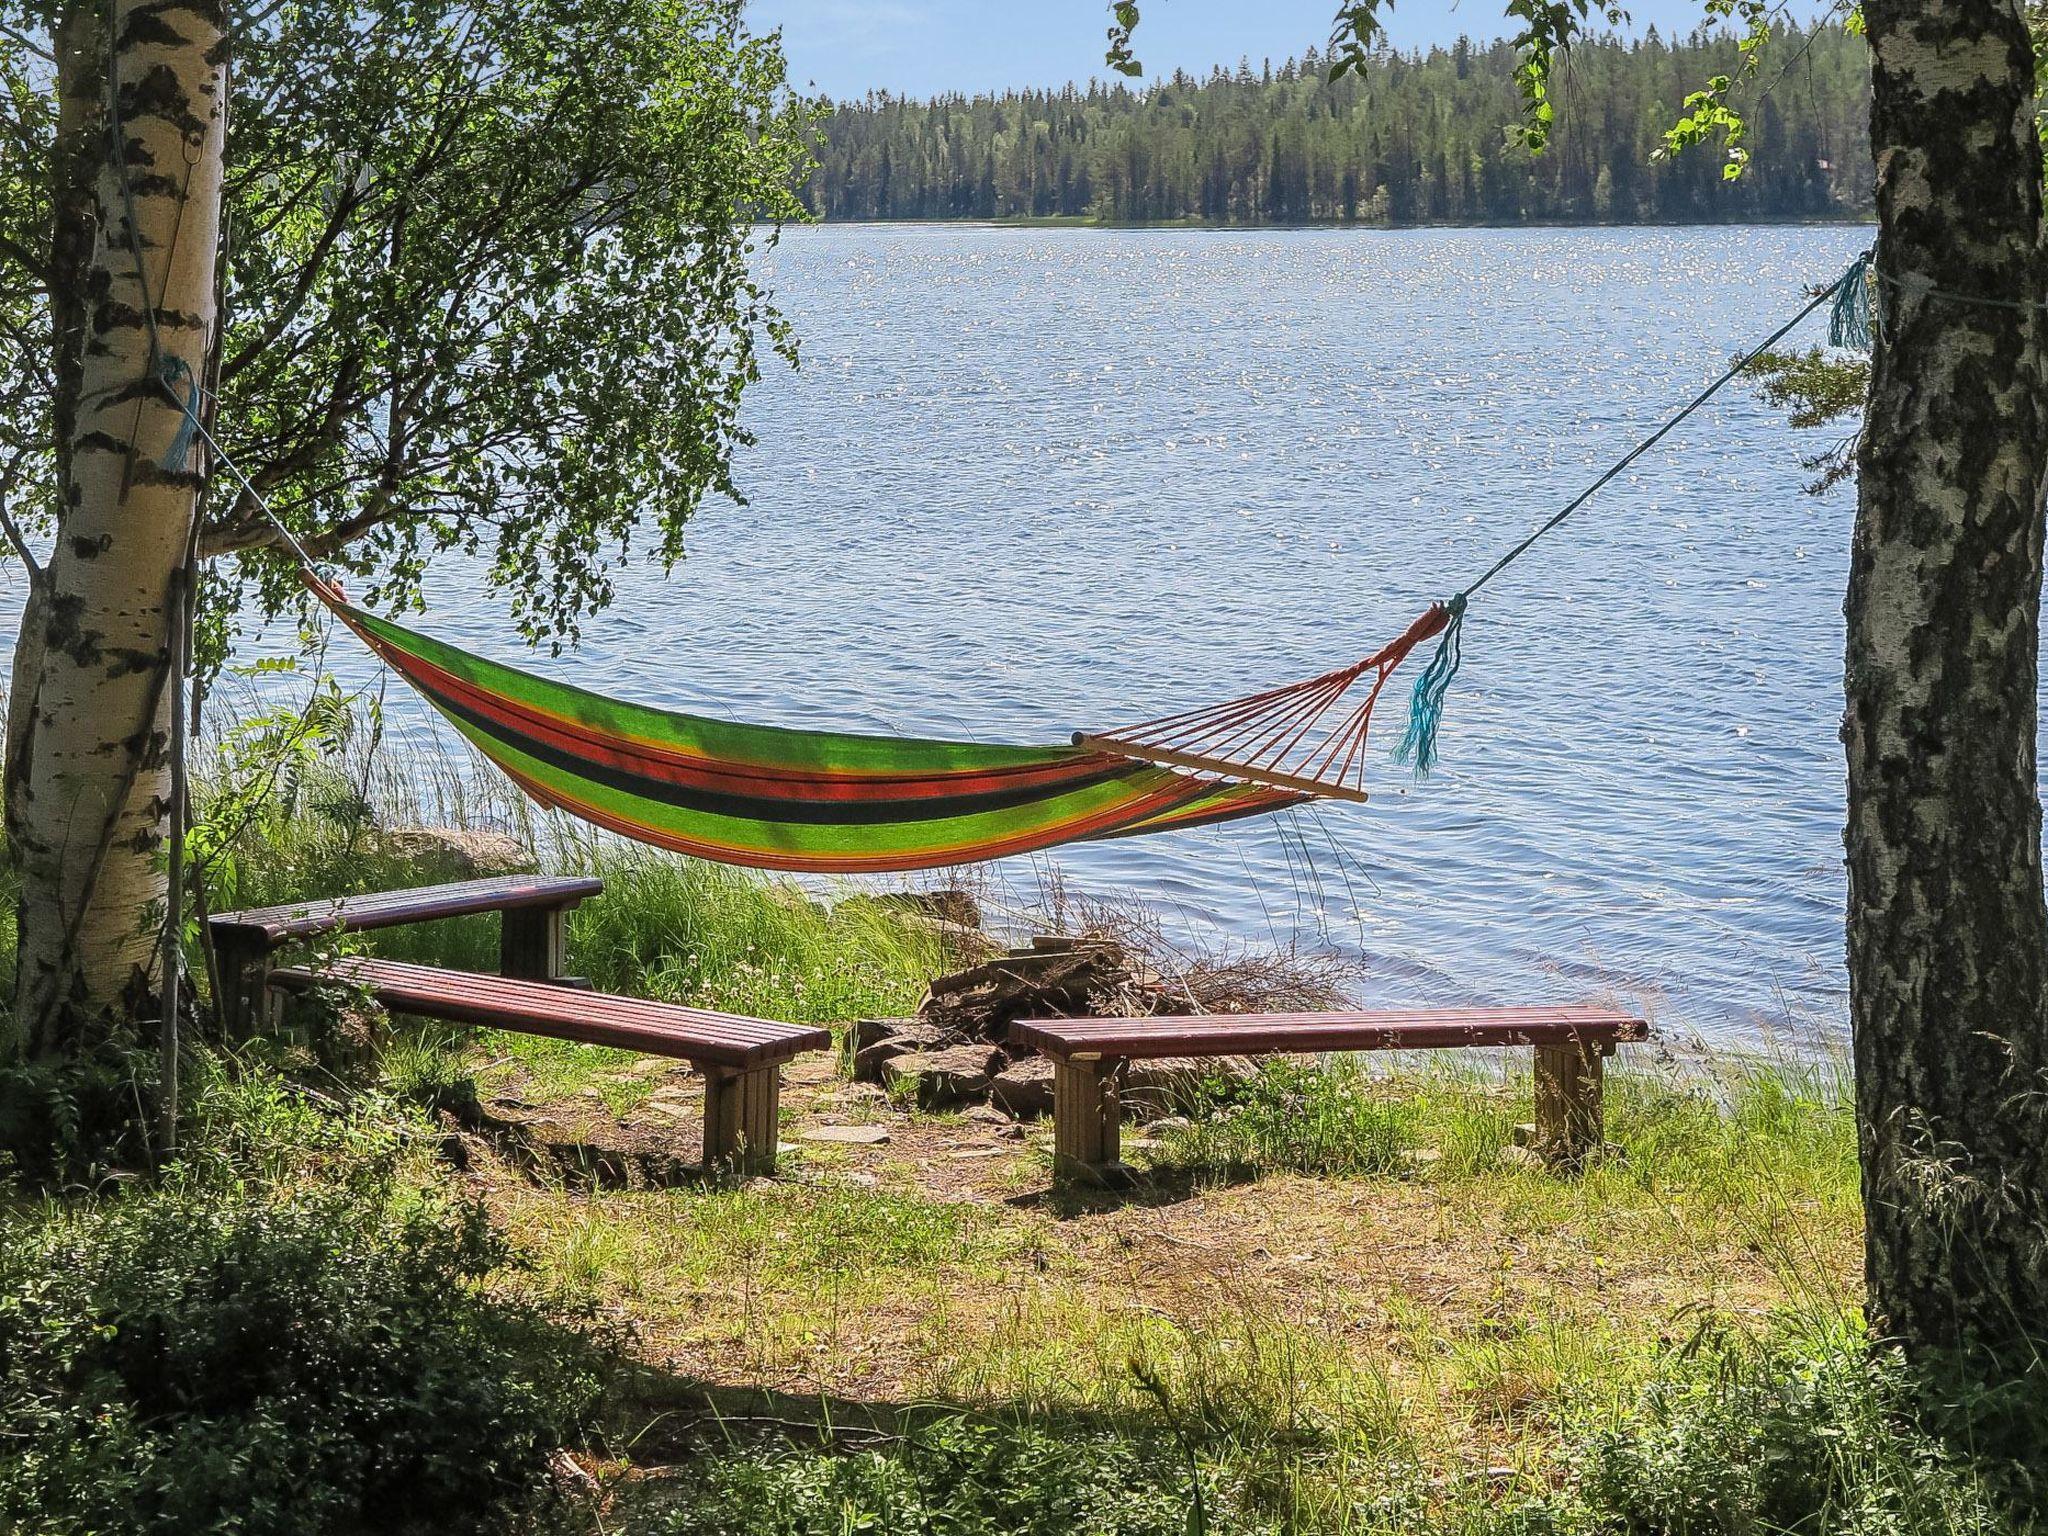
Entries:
{"x":1147,"y":1186}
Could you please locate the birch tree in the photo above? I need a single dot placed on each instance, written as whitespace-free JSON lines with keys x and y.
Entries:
{"x":136,"y":200}
{"x":448,"y":278}
{"x":1948,"y":928}
{"x":1947,"y":925}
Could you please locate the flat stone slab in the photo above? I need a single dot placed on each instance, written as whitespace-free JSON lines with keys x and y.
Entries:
{"x":848,"y":1135}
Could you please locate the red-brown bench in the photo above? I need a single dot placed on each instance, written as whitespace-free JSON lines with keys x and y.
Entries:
{"x":529,"y":944}
{"x":741,"y":1058}
{"x":1571,"y":1047}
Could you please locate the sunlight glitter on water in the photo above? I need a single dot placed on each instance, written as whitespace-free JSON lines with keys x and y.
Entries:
{"x":1030,"y":480}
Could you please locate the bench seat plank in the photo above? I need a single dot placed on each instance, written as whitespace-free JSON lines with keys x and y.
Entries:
{"x":273,"y":926}
{"x":1395,"y":1029}
{"x":725,"y":1040}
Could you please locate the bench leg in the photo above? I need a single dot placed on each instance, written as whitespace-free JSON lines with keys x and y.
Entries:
{"x":1086,"y":1121}
{"x":1570,"y":1119}
{"x":742,"y":1115}
{"x":244,"y":979}
{"x":531,"y":944}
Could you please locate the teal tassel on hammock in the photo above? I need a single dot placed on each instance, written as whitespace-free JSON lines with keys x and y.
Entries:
{"x":172,"y":372}
{"x":1426,"y":707}
{"x":1853,"y":320}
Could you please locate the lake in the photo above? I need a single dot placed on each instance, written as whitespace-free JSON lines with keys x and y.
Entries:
{"x":1033,"y":480}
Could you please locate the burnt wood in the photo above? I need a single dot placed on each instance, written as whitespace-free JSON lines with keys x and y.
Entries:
{"x":273,"y":926}
{"x":1396,"y":1029}
{"x":730,"y":1041}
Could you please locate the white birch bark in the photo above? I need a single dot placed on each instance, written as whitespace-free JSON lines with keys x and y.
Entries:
{"x":87,"y":779}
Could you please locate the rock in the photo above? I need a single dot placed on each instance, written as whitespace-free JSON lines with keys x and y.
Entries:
{"x":948,"y":904}
{"x":867,"y":1031}
{"x":1167,"y":1125}
{"x":1024,"y":1088}
{"x":871,"y":1062}
{"x":943,"y":1078}
{"x":1522,"y":1157}
{"x":848,"y":1135}
{"x":456,"y":853}
{"x":1167,"y":1084}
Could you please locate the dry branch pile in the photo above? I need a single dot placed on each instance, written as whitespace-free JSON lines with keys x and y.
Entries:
{"x":956,"y":1049}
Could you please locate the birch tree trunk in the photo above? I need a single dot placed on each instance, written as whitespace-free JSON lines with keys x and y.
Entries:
{"x":86,"y":763}
{"x":1948,"y":931}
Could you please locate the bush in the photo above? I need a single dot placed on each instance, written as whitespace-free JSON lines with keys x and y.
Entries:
{"x":966,"y":1477}
{"x":1296,"y":1116}
{"x":230,"y":1354}
{"x":1783,"y":1441}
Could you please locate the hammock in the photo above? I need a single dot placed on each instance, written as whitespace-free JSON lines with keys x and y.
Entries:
{"x":773,"y":798}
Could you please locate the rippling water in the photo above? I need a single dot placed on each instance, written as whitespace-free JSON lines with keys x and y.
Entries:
{"x":1029,"y":480}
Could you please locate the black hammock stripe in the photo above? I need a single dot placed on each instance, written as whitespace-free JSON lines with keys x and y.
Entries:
{"x":848,"y":813}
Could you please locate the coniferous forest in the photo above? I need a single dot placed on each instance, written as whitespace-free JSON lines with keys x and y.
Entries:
{"x":1419,"y":139}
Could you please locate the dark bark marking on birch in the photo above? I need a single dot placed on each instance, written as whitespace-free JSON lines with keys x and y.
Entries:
{"x":1948,"y":928}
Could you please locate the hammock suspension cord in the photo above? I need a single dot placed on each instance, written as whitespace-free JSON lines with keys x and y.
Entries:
{"x":1278,"y":736}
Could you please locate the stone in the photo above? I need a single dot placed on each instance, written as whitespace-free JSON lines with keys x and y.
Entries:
{"x":1024,"y":1088}
{"x":1167,"y":1084}
{"x":948,"y":904}
{"x":940,"y":1079}
{"x":848,"y":1135}
{"x":456,"y":853}
{"x":1522,"y":1157}
{"x":867,"y":1032}
{"x":871,"y":1062}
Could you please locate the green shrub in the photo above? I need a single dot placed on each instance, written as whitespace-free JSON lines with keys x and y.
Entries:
{"x":226,"y":1353}
{"x":1783,"y":1441}
{"x":965,"y":1477}
{"x":1297,"y":1116}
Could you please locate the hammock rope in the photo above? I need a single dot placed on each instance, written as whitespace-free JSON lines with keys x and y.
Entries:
{"x":1277,"y":737}
{"x":779,"y":798}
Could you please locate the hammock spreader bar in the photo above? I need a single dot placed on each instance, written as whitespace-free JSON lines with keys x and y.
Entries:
{"x":773,"y":798}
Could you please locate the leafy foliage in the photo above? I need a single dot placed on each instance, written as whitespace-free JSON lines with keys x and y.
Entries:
{"x":1298,"y":1116}
{"x":1817,"y":388}
{"x":1416,"y":139}
{"x":964,"y":1476}
{"x":301,"y":1351}
{"x":1758,"y":1441}
{"x":488,"y":284}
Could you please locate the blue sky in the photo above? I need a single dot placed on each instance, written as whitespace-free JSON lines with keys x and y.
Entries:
{"x":919,"y":47}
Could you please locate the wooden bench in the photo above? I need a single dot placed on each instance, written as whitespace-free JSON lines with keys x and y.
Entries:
{"x":530,"y":936}
{"x":1571,"y":1046}
{"x":741,"y":1058}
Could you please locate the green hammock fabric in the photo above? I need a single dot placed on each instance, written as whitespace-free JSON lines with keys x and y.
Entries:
{"x":775,"y":798}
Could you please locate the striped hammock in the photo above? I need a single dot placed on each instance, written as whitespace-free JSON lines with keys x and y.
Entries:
{"x":774,"y":798}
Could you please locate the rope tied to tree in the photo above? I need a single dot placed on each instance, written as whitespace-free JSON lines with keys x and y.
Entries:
{"x":171,"y":373}
{"x":1849,"y":294}
{"x":1853,"y":322}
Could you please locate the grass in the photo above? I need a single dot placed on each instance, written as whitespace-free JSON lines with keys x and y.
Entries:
{"x":1328,"y":1307}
